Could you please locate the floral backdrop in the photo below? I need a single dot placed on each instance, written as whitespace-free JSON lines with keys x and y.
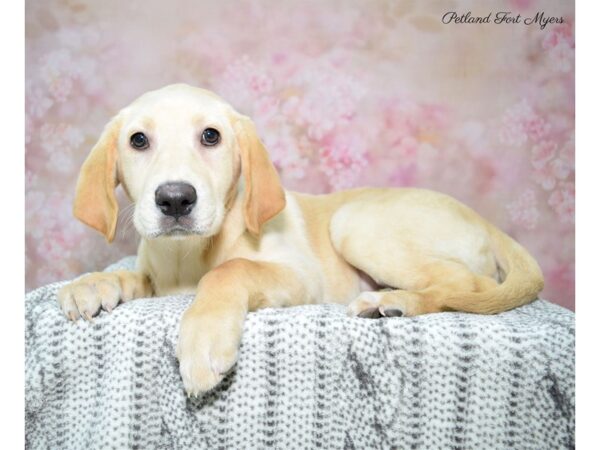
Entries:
{"x":344,"y":93}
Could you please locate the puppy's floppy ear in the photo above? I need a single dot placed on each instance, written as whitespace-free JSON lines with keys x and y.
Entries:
{"x":95,"y":200}
{"x":264,"y":195}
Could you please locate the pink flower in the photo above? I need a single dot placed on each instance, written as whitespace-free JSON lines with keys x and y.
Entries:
{"x":409,"y":128}
{"x":524,"y":211}
{"x":289,"y":107}
{"x":37,"y":103}
{"x":405,"y":116}
{"x":545,"y":177}
{"x":328,"y":98}
{"x":285,"y":152}
{"x":245,"y":83}
{"x":560,"y":168}
{"x":542,"y":153}
{"x":432,"y":116}
{"x":547,"y":168}
{"x":87,"y":74}
{"x":559,"y":43}
{"x":558,"y":34}
{"x":58,"y":70}
{"x":342,"y":158}
{"x":562,"y":200}
{"x":82,"y":38}
{"x":407,"y":147}
{"x":536,"y":128}
{"x":521,"y":123}
{"x":59,"y":141}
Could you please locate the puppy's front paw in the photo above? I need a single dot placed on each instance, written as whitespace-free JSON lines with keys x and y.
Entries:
{"x":207,"y":348}
{"x":85,"y":297}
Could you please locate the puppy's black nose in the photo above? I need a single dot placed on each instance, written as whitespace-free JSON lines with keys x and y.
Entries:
{"x":175,"y":199}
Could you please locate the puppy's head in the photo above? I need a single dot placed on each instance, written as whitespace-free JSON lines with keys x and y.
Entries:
{"x":178,"y":153}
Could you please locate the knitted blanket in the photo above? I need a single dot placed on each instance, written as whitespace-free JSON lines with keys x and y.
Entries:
{"x":307,"y":377}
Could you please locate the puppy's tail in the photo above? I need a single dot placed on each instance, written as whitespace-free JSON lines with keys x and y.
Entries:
{"x":522,"y":283}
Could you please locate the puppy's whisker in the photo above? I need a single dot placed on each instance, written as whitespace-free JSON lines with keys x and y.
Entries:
{"x":127,"y":212}
{"x":127,"y":209}
{"x":127,"y":221}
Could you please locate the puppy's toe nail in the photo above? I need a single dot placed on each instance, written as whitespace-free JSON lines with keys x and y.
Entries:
{"x":72,"y":316}
{"x":87,"y":316}
{"x":370,"y":313}
{"x":108,"y":309}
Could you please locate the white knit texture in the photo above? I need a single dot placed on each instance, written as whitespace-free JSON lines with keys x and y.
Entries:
{"x":307,"y":377}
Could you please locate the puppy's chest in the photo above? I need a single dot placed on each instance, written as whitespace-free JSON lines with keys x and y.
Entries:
{"x":173,"y":270}
{"x":178,"y":277}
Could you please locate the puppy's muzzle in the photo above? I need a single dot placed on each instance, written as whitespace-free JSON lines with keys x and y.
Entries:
{"x":175,"y":199}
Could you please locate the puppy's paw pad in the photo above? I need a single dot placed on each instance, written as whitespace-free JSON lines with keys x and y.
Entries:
{"x":390,"y":312}
{"x":370,"y":313}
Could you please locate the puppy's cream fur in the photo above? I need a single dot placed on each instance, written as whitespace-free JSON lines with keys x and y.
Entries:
{"x":249,"y":244}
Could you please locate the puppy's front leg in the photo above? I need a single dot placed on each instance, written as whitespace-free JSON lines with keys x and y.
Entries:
{"x":211,"y":328}
{"x":84,"y":297}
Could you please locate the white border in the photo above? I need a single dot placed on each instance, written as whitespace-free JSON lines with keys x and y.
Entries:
{"x":12,"y":92}
{"x":587,"y":223}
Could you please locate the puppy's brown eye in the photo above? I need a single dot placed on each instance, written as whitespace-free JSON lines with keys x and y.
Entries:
{"x":139,"y":141}
{"x":210,"y":137}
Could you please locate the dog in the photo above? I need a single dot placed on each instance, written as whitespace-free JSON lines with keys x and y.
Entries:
{"x":215,"y":221}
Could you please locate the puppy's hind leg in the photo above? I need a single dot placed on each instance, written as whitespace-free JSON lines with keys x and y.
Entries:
{"x":429,"y":250}
{"x":441,"y":280}
{"x":392,"y":303}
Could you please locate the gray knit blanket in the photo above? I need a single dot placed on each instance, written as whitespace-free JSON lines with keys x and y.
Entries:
{"x":307,"y":377}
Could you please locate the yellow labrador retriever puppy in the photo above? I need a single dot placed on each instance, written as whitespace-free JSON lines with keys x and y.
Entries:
{"x":215,"y":221}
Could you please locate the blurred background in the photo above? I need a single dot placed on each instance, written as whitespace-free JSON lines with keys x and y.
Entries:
{"x":344,"y":93}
